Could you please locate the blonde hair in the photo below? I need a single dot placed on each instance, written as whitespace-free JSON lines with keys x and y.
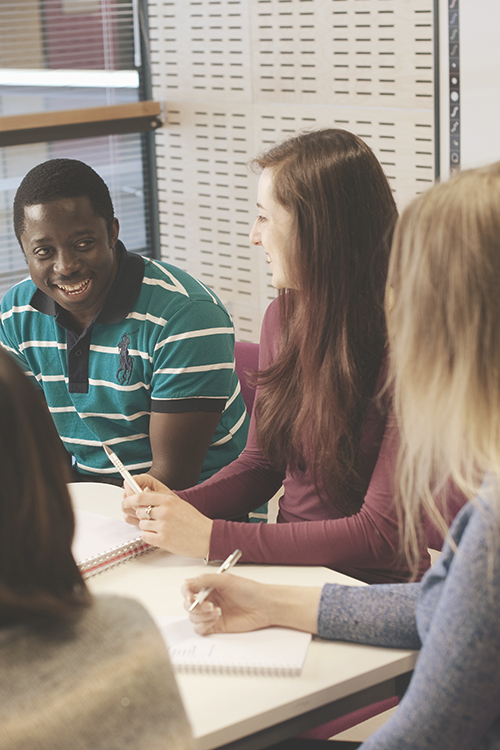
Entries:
{"x":443,"y":313}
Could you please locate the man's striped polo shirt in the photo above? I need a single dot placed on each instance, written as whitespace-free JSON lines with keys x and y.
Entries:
{"x":162,"y":342}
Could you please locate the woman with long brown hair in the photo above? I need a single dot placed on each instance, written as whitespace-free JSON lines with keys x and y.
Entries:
{"x":76,"y":671}
{"x":326,"y":216}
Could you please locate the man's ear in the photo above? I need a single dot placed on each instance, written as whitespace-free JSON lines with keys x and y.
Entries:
{"x":115,"y":231}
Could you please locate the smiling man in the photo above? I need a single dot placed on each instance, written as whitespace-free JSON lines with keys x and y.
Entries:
{"x":127,"y":350}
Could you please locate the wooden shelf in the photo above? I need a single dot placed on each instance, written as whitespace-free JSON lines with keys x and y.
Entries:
{"x":39,"y":127}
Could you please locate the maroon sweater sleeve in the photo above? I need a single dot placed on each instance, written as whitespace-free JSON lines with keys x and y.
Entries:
{"x":250,"y":481}
{"x":238,"y":488}
{"x":365,"y":545}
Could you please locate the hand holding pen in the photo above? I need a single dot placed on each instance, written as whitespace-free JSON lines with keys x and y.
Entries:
{"x":235,"y":604}
{"x":204,"y":592}
{"x":127,"y":476}
{"x":167,"y":522}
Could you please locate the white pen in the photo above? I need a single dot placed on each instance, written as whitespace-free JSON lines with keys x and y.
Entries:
{"x":226,"y":565}
{"x":121,"y":468}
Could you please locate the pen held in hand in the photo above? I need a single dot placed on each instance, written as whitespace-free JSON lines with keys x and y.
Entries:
{"x":226,"y":565}
{"x":121,"y":468}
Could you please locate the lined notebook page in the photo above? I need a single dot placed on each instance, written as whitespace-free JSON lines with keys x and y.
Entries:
{"x":271,"y":651}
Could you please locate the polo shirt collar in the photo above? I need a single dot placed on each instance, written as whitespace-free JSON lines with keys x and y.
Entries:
{"x":120,"y":300}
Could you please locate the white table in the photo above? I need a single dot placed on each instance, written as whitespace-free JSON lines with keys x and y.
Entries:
{"x":245,"y":712}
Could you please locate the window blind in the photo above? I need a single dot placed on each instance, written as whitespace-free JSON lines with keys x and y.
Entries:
{"x":72,"y":54}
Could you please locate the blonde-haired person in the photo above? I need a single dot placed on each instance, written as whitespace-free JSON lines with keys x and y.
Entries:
{"x":444,"y":331}
{"x":77,"y":671}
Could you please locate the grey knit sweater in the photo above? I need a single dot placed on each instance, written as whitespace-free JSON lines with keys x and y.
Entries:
{"x":103,"y":682}
{"x":453,"y":616}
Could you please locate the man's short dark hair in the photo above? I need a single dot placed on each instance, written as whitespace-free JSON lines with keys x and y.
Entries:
{"x":62,"y":178}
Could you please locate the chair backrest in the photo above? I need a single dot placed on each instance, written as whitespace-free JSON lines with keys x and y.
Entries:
{"x":246,"y":356}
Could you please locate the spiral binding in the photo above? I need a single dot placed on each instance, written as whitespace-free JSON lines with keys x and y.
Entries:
{"x":92,"y":566}
{"x":271,"y":670}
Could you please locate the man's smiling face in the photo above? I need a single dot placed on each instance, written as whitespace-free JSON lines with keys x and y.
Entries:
{"x":71,"y":255}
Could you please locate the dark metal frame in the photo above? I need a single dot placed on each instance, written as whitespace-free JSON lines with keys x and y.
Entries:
{"x":437,"y":92}
{"x":149,"y":161}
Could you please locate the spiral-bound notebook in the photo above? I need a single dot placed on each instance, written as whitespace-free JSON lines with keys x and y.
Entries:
{"x":102,"y":542}
{"x":270,"y":651}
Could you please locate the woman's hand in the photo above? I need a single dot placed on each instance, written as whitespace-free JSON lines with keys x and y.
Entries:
{"x":165,"y":520}
{"x":147,"y":483}
{"x":235,"y":604}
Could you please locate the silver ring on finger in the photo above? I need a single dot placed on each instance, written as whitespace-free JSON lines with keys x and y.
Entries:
{"x":148,"y":512}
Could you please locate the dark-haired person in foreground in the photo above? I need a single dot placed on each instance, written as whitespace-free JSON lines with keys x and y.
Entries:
{"x":77,"y":671}
{"x":325,"y":220}
{"x":127,"y":350}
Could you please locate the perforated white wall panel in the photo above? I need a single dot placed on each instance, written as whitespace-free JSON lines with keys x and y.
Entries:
{"x":237,"y":75}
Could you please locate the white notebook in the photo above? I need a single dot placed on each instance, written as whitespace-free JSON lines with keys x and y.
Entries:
{"x":101,"y":542}
{"x":270,"y":651}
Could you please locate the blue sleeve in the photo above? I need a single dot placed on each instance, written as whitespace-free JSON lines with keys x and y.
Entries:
{"x":453,"y":701}
{"x":379,"y":615}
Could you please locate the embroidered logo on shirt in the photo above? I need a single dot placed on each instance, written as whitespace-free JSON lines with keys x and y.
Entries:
{"x":124,"y":372}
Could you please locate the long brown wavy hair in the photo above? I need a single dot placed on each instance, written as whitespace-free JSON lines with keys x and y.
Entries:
{"x":38,"y":575}
{"x":313,"y":400}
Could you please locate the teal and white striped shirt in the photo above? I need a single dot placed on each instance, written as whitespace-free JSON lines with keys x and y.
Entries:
{"x":162,"y":342}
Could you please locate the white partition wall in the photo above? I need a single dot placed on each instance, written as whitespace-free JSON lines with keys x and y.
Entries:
{"x":237,"y":75}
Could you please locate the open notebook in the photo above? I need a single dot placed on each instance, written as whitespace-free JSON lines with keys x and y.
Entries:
{"x":270,"y":651}
{"x":101,"y":542}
